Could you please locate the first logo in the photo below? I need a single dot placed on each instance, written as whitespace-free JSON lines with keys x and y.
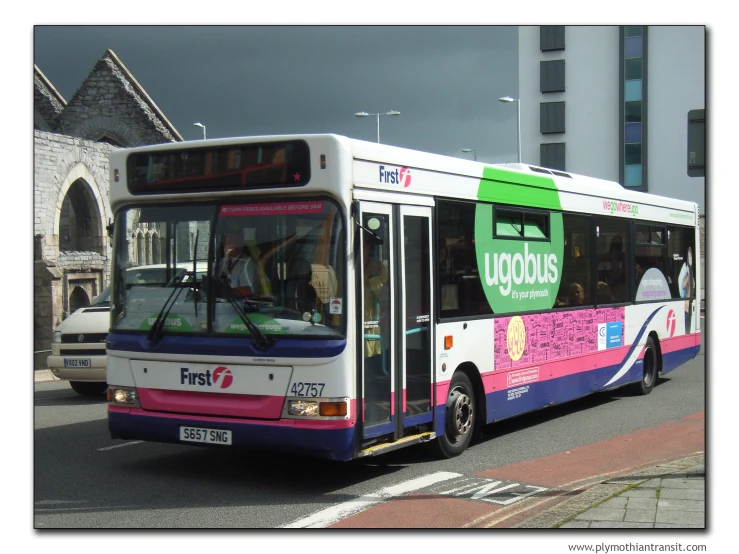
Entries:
{"x":223,"y":376}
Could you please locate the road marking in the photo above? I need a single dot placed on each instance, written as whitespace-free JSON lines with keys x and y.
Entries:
{"x":119,"y":445}
{"x":495,"y":491}
{"x":331,"y":515}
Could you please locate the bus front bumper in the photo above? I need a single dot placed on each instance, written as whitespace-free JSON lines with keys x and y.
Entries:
{"x":291,"y":436}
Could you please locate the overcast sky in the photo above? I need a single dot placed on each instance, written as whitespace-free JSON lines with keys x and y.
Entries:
{"x":250,"y":80}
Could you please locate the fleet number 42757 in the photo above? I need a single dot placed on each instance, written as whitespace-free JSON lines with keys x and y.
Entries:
{"x":307,"y":389}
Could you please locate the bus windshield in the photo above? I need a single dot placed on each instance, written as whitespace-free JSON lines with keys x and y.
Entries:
{"x":279,"y":265}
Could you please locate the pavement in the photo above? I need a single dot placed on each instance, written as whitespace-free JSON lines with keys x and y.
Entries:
{"x":669,"y":495}
{"x":43,"y":376}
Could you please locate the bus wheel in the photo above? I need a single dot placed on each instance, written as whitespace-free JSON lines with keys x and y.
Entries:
{"x":649,"y":377}
{"x":88,"y":389}
{"x":460,"y":417}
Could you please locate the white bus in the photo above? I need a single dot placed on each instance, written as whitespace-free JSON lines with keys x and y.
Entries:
{"x":385,"y":297}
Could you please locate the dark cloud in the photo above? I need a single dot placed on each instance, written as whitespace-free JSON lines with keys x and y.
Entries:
{"x":247,"y":80}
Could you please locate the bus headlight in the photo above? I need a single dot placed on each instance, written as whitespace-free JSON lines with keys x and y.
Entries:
{"x":122,"y":395}
{"x":56,"y":337}
{"x":302,"y":408}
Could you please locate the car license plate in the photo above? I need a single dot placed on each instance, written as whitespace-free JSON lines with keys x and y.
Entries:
{"x":210,"y":436}
{"x":76,"y":362}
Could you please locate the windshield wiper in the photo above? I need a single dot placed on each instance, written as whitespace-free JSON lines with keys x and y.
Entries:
{"x":156,"y":330}
{"x":262,"y":341}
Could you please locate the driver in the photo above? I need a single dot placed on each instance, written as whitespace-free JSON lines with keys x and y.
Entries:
{"x":241,"y":270}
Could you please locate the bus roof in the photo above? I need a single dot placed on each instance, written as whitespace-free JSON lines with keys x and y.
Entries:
{"x":372,"y":153}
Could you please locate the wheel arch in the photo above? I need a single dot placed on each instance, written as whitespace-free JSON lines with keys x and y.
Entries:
{"x":658,"y":346}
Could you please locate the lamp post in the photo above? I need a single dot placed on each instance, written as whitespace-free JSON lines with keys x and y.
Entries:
{"x":365,"y":114}
{"x":507,"y":99}
{"x":200,"y":125}
{"x":474,"y":152}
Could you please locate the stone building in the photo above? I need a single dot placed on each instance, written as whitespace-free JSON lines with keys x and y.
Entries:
{"x":72,"y":141}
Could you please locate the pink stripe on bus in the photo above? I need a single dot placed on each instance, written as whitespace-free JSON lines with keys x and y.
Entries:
{"x":682,"y":342}
{"x":217,"y":404}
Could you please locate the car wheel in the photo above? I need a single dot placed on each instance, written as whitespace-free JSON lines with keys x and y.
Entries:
{"x":88,"y":389}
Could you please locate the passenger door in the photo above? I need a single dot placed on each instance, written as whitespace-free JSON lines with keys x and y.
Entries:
{"x":396,"y":285}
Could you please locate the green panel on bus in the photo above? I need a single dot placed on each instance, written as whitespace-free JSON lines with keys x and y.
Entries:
{"x":518,"y":275}
{"x":518,"y":189}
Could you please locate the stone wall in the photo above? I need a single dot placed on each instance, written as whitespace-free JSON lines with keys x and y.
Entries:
{"x":59,"y":162}
{"x":47,"y":303}
{"x":111,"y":104}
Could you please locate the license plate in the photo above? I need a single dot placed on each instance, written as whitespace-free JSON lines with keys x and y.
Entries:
{"x":77,"y":362}
{"x":210,"y":436}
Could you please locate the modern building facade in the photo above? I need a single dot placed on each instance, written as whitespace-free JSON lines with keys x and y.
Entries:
{"x":621,"y":103}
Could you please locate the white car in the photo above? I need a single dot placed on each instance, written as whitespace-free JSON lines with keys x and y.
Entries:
{"x":78,"y":347}
{"x":78,"y":342}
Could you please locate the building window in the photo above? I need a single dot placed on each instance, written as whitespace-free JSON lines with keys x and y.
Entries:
{"x":632,"y":154}
{"x":551,"y":117}
{"x":632,"y":68}
{"x":553,"y":155}
{"x":632,"y":132}
{"x":551,"y":37}
{"x":632,"y":90}
{"x":632,"y":111}
{"x":632,"y":175}
{"x":552,"y":76}
{"x":697,"y":143}
{"x":633,"y":157}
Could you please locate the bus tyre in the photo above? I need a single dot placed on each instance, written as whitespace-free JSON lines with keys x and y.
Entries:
{"x":88,"y":389}
{"x":459,"y":418}
{"x":649,"y":377}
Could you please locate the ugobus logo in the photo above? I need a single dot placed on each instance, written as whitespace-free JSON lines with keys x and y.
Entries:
{"x":622,"y":207}
{"x":521,"y":268}
{"x":518,"y":275}
{"x":221,"y":377}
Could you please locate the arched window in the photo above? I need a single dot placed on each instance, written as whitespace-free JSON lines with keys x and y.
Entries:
{"x":78,"y":225}
{"x":140,"y":251}
{"x":110,"y":140}
{"x":155,"y":252}
{"x":147,"y":243}
{"x":78,"y":299}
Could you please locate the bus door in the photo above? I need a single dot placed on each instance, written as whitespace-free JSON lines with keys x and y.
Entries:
{"x":396,"y":339}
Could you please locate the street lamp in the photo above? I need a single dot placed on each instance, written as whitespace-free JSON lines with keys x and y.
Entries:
{"x":365,"y":114}
{"x":200,"y":125}
{"x":474,"y":152}
{"x":507,"y":99}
